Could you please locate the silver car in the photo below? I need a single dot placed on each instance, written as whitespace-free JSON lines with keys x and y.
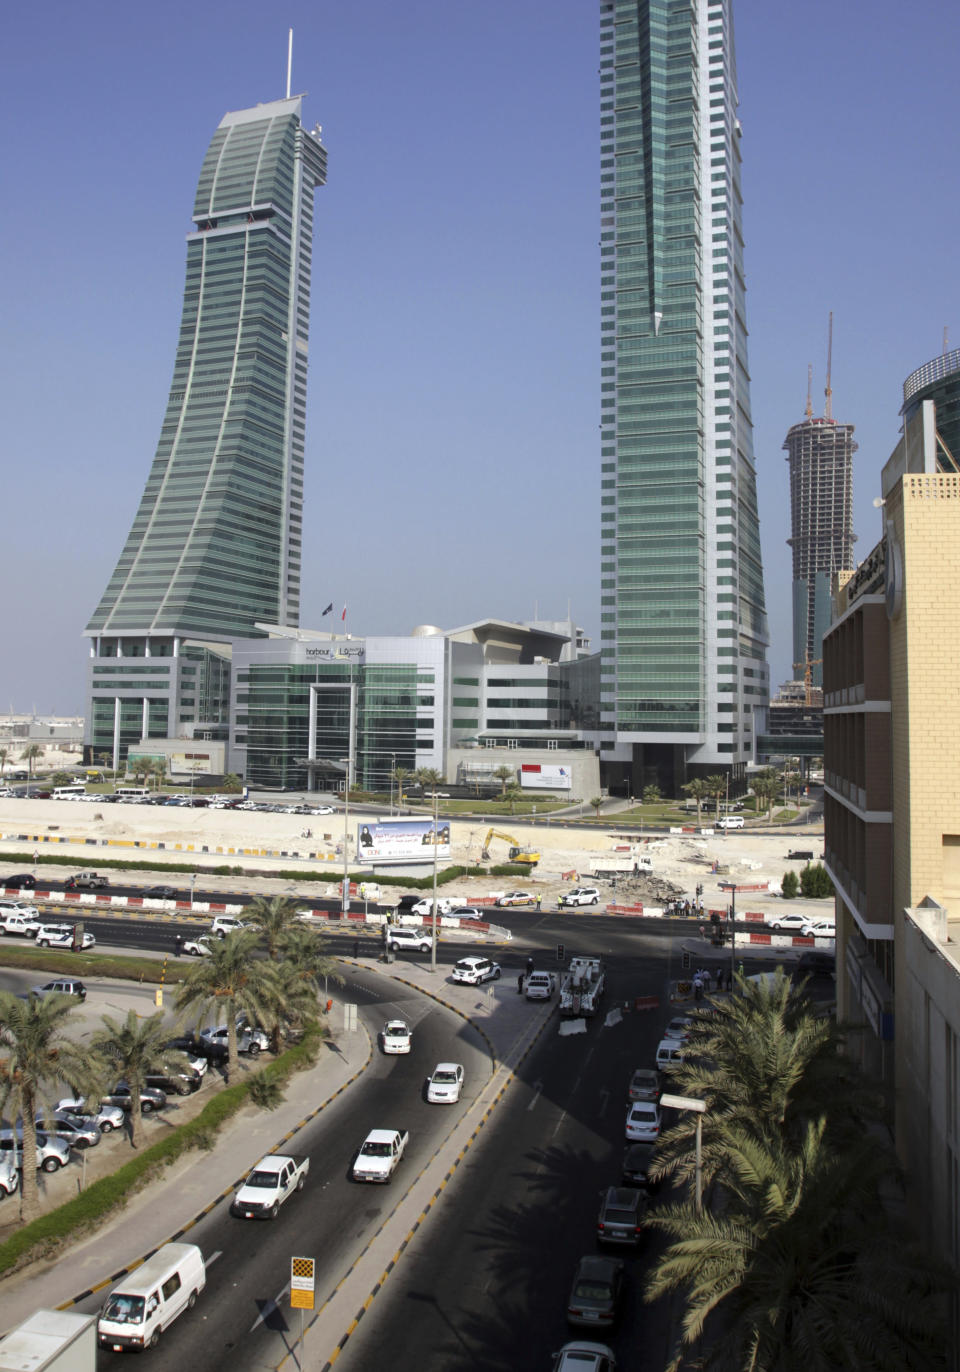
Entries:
{"x":73,"y":1129}
{"x":52,"y":1153}
{"x":106,"y":1117}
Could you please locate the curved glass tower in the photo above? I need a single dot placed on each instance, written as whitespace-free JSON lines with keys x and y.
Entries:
{"x":215,"y":545}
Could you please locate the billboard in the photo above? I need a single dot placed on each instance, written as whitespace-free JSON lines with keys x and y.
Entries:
{"x":537,"y":776}
{"x":402,"y":840}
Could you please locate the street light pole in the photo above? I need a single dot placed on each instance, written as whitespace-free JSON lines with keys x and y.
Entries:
{"x":393,"y":768}
{"x":433,"y":939}
{"x":691,"y":1103}
{"x":345,"y":894}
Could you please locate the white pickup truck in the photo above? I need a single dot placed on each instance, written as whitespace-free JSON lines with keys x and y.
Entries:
{"x":271,"y":1182}
{"x":380,"y":1154}
{"x":22,"y":920}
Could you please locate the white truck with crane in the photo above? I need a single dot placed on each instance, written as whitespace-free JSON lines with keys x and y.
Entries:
{"x":581,"y":988}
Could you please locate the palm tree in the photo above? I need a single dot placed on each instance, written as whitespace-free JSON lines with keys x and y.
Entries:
{"x":596,"y":803}
{"x":232,"y":784}
{"x":305,"y":964}
{"x":129,"y":1050}
{"x":513,"y":794}
{"x":429,"y":777}
{"x":4,"y":755}
{"x":399,"y":775}
{"x":504,"y":774}
{"x":272,"y":917}
{"x":766,"y":787}
{"x":698,"y":790}
{"x":800,"y":1269}
{"x":651,"y":794}
{"x":33,"y":1050}
{"x":29,"y":756}
{"x":764,"y":1060}
{"x":231,"y":982}
{"x":717,"y":787}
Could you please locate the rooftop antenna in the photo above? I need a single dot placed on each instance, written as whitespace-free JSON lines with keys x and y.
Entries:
{"x":946,"y":339}
{"x":289,"y":60}
{"x":809,"y":409}
{"x":828,"y":407}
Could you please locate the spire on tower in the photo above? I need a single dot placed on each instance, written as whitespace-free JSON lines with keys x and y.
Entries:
{"x":828,"y":405}
{"x":809,"y":410}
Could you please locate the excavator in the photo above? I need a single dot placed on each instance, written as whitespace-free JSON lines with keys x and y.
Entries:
{"x":517,"y":854}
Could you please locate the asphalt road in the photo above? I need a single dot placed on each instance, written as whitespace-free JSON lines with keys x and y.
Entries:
{"x":243,"y":1319}
{"x":491,"y":1294}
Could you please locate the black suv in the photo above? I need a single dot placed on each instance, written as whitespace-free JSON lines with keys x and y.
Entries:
{"x":621,"y":1216}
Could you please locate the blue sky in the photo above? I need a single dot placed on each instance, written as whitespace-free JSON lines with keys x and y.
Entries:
{"x":452,"y":439}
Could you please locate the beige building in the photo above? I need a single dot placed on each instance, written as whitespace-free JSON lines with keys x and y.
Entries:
{"x":892,"y":815}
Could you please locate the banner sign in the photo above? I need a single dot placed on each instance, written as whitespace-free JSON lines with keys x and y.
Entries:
{"x":402,"y":840}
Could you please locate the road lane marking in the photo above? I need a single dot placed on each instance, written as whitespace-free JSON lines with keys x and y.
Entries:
{"x":537,"y":1089}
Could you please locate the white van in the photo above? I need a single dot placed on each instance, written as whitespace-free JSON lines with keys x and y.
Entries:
{"x":137,"y":1311}
{"x":669,"y":1055}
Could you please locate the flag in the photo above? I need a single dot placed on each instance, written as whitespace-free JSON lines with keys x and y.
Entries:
{"x":344,"y":615}
{"x":328,"y":609}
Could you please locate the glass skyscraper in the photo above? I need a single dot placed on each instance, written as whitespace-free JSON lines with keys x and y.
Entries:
{"x":684,"y":635}
{"x":215,"y":547}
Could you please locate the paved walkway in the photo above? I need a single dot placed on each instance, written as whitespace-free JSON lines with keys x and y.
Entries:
{"x":194,"y":1185}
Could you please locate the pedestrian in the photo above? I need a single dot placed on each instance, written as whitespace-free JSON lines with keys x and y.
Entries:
{"x":539,"y":899}
{"x":697,"y":988}
{"x":178,"y":945}
{"x":356,"y":947}
{"x":520,"y":984}
{"x":529,"y":966}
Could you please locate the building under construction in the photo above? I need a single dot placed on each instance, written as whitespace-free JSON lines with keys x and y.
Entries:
{"x":820,"y":454}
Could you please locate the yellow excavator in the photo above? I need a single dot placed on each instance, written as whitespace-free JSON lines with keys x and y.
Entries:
{"x":517,"y":854}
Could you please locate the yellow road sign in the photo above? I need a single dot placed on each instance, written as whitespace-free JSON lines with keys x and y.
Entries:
{"x":302,"y":1282}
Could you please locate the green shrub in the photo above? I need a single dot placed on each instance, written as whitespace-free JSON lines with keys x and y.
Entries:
{"x":815,"y":881}
{"x":45,"y":1234}
{"x":510,"y":869}
{"x":789,"y":885}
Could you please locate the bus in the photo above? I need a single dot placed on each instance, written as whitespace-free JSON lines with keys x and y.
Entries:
{"x":132,"y":792}
{"x":78,"y":788}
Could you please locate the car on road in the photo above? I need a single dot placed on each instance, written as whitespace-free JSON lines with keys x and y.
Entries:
{"x":820,"y":928}
{"x":539,"y":985}
{"x":791,"y":920}
{"x":18,"y":922}
{"x":159,"y":893}
{"x":274,"y":1180}
{"x":86,"y":881}
{"x":595,"y":1292}
{"x":73,"y":1129}
{"x":409,"y":940}
{"x":645,"y":1084}
{"x":323,"y":810}
{"x":516,"y":898}
{"x":730,"y":822}
{"x":150,"y":1098}
{"x":20,"y":881}
{"x":52,"y":1152}
{"x":445,"y":1083}
{"x":474,"y":970}
{"x":635,"y":1169}
{"x":64,"y":937}
{"x":580,"y":895}
{"x":106,"y":1117}
{"x":226,"y":924}
{"x":620,"y":1220}
{"x":63,"y":986}
{"x":580,"y":1356}
{"x":678,"y":1028}
{"x":466,"y":912}
{"x":396,"y":1037}
{"x":643,"y":1121}
{"x":199,"y":947}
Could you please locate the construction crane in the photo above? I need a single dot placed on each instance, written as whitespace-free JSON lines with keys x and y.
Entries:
{"x":808,"y":666}
{"x":828,"y":392}
{"x":517,"y":854}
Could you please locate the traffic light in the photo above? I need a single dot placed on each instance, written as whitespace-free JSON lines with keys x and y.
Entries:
{"x":560,"y":951}
{"x":685,"y":960}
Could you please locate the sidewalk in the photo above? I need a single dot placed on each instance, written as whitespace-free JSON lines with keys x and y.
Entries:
{"x":169,"y":1207}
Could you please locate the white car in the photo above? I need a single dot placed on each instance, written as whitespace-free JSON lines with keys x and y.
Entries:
{"x":200,"y":947}
{"x":581,"y":1356}
{"x":445,"y":1083}
{"x":396,"y":1037}
{"x":730,"y":822}
{"x":643,"y":1121}
{"x":226,"y":924}
{"x":52,"y":936}
{"x":820,"y":928}
{"x":517,"y":898}
{"x":792,"y":920}
{"x":252,"y":1041}
{"x":409,"y":940}
{"x":472,"y":971}
{"x":107,"y":1117}
{"x":678,"y":1028}
{"x":14,"y":922}
{"x":580,"y":895}
{"x":9,"y":1176}
{"x":324,"y":810}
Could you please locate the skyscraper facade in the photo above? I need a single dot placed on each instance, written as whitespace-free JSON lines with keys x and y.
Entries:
{"x":215,"y":546}
{"x":683,"y":622}
{"x":820,"y":454}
